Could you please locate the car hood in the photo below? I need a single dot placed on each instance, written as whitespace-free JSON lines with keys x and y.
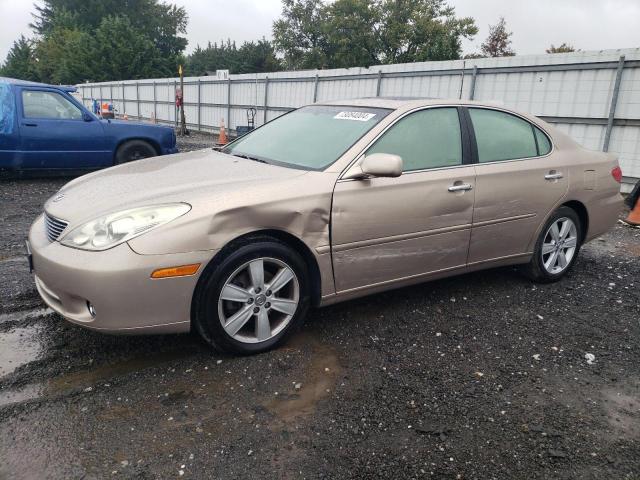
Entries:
{"x":116,"y":123}
{"x":183,"y":177}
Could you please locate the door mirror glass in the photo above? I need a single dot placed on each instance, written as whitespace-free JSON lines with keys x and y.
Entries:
{"x":86,"y":117}
{"x":376,"y":165}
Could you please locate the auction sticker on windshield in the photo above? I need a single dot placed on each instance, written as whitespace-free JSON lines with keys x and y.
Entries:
{"x":358,"y":116}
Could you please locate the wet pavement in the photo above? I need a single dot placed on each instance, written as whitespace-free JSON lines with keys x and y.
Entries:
{"x":483,"y":376}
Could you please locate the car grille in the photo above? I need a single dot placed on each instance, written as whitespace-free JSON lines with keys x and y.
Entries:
{"x":54,"y":227}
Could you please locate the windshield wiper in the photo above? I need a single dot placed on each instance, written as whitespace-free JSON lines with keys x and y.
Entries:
{"x":249,"y":157}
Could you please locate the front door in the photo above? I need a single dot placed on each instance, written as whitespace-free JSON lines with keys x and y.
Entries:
{"x":54,"y":133}
{"x":391,"y":229}
{"x":518,"y":183}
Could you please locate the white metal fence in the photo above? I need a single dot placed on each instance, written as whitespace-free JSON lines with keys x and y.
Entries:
{"x":592,"y":96}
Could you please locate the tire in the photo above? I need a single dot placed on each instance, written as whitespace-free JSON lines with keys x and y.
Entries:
{"x":213,"y":316}
{"x":134,"y":150}
{"x":545,"y":268}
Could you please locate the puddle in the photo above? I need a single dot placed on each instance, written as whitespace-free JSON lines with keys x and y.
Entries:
{"x":29,"y":392}
{"x":100,"y":373}
{"x":18,"y":347}
{"x":25,"y":315}
{"x":317,"y":383}
{"x":87,"y":378}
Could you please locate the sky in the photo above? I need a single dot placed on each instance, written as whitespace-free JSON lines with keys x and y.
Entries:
{"x":585,"y":24}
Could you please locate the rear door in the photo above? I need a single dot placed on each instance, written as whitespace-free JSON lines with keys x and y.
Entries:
{"x":56,"y":133}
{"x":519,"y":180}
{"x":390,"y":229}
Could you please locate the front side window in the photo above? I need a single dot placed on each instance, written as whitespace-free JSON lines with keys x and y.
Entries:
{"x":310,"y":138}
{"x":426,"y":139}
{"x":41,"y":104}
{"x":502,"y":136}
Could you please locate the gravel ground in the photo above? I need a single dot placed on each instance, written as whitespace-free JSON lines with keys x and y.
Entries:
{"x":482,"y":376}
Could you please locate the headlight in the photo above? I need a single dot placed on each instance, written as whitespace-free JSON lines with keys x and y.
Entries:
{"x":111,"y":230}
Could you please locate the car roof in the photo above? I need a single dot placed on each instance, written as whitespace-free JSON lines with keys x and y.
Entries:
{"x":26,"y":83}
{"x":401,"y":102}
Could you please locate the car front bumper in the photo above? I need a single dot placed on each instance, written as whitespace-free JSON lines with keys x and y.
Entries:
{"x":116,"y":283}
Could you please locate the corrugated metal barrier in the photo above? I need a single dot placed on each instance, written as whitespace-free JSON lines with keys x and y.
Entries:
{"x":592,"y":96}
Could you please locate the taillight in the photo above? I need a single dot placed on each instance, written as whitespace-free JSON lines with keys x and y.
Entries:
{"x":616,"y":173}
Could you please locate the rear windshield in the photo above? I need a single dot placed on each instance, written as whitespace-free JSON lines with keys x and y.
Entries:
{"x":311,"y":138}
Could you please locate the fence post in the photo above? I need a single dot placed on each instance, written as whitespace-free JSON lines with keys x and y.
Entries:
{"x":315,"y":89}
{"x":155,"y":107}
{"x":175,"y":108}
{"x":614,"y":103}
{"x":229,"y":104}
{"x":266,"y":97}
{"x":138,"y":99}
{"x":111,"y":93}
{"x":379,"y":84}
{"x":124,"y":102}
{"x":472,"y":90}
{"x":199,"y":127}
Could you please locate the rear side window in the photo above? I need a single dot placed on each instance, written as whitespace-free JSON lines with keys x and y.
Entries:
{"x":502,"y":136}
{"x":41,"y":104}
{"x":426,"y":139}
{"x":544,"y":145}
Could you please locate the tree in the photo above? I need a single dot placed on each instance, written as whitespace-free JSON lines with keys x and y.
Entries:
{"x":498,"y":43}
{"x":121,"y":51}
{"x":66,"y":49}
{"x":257,"y":56}
{"x":347,"y":33}
{"x":249,"y":58}
{"x":19,"y":62}
{"x":299,"y":34}
{"x":421,"y":30}
{"x":564,"y":48}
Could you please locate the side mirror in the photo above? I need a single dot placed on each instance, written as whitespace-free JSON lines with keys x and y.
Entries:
{"x":86,"y":117}
{"x":376,"y":165}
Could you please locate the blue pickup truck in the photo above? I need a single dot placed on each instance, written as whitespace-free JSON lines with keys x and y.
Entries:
{"x":42,"y":127}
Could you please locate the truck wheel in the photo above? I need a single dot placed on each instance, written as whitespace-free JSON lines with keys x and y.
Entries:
{"x":134,"y":150}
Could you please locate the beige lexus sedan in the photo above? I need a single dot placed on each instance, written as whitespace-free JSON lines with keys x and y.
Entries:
{"x":327,"y":203}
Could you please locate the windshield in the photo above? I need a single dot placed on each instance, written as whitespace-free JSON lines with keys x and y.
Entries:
{"x":311,"y":137}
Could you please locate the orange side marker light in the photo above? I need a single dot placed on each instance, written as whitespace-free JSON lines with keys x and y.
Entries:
{"x":181,"y":271}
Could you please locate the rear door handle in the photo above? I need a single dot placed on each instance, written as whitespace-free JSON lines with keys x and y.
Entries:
{"x":460,"y":187}
{"x":30,"y":124}
{"x":553,"y":175}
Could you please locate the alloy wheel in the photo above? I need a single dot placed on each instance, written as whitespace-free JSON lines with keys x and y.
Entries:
{"x":258,"y":300}
{"x":559,"y":245}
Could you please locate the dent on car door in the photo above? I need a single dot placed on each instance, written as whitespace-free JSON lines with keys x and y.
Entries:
{"x":55,"y":134}
{"x":388,"y":229}
{"x":519,"y":181}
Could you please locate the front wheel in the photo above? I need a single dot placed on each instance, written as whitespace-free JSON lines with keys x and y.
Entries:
{"x":557,"y":247}
{"x":252,"y":298}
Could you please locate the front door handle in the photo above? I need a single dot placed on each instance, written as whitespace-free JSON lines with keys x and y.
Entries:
{"x":460,"y":187}
{"x":30,"y":124}
{"x":553,"y":175}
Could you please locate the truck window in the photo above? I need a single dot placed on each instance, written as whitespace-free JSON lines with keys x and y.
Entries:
{"x":42,"y":104}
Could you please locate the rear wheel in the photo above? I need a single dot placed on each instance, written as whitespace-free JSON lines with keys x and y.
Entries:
{"x":557,"y":247}
{"x":134,"y":150}
{"x":253,"y":298}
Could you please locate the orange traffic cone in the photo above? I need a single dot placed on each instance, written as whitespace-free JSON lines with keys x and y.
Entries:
{"x":634,"y":215}
{"x":222,"y":137}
